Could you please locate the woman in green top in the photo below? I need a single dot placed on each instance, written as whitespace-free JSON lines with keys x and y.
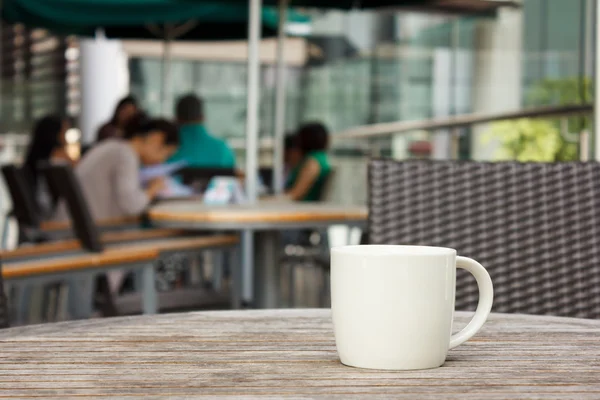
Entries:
{"x":306,"y":181}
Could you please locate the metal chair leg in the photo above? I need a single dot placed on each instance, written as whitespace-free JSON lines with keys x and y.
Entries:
{"x":292,"y":284}
{"x":24,"y":293}
{"x":217,"y":269}
{"x":235,"y":263}
{"x":201,"y":270}
{"x":81,"y":296}
{"x":326,"y":283}
{"x":149,"y":295}
{"x":50,"y":302}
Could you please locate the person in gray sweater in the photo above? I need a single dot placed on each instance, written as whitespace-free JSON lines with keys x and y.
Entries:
{"x":109,"y":172}
{"x":109,"y":178}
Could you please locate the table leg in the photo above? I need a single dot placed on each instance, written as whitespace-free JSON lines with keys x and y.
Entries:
{"x":217,"y":269}
{"x":235,"y":264}
{"x":149,"y":299}
{"x":247,"y":276}
{"x":266,"y":266}
{"x":81,"y":296}
{"x":24,"y":292}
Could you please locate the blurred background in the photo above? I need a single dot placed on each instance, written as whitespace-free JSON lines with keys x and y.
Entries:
{"x":349,"y":69}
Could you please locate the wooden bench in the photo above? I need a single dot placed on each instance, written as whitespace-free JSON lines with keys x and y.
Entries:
{"x":135,"y":256}
{"x":76,"y":270}
{"x":72,"y":245}
{"x":186,"y":243}
{"x":57,"y":226}
{"x":78,"y":262}
{"x":88,"y":232}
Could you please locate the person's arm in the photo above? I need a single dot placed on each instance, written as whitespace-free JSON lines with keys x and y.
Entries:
{"x":131,"y":198}
{"x":155,"y":186}
{"x":307,"y":177}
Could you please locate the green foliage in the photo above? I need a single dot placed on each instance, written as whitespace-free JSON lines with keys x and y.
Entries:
{"x":540,"y":139}
{"x":532,"y":140}
{"x":562,"y":92}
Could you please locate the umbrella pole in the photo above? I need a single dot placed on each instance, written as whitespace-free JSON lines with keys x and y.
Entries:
{"x":252,"y":99}
{"x":171,"y":32}
{"x":166,"y":69}
{"x":280,"y":100}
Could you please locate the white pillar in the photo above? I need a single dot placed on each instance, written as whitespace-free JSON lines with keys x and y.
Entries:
{"x":278,"y":136}
{"x":104,"y":80}
{"x":442,"y":80}
{"x":497,"y":84}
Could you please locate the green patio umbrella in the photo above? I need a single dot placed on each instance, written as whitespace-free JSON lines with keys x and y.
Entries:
{"x":446,"y":6}
{"x":124,"y":19}
{"x":144,"y":19}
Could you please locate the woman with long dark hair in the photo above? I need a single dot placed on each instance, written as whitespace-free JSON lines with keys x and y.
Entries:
{"x":48,"y":144}
{"x":125,"y":109}
{"x":306,"y":181}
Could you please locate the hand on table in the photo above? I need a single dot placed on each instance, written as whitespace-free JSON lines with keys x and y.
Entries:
{"x":155,"y":186}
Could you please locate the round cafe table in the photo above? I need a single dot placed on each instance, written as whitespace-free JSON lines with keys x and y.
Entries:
{"x":266,"y":219}
{"x":288,"y":353}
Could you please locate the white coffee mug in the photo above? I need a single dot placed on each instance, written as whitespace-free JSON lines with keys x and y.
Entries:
{"x":393,"y":306}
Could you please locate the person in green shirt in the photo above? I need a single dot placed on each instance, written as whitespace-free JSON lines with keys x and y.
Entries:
{"x":307,"y":180}
{"x":198,"y":148}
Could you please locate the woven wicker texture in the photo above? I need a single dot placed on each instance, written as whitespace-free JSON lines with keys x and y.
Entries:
{"x":4,"y":315}
{"x":535,"y":227}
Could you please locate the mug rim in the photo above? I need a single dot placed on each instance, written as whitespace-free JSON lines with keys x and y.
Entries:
{"x":392,"y":250}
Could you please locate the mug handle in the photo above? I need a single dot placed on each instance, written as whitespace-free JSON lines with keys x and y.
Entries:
{"x":484,"y":306}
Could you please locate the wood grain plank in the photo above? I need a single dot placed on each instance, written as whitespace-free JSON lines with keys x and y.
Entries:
{"x":63,"y":246}
{"x":288,"y":354}
{"x":110,"y":257}
{"x":264,"y":212}
{"x":189,"y":243}
{"x":53,"y":226}
{"x":114,"y":255}
{"x":141,"y":234}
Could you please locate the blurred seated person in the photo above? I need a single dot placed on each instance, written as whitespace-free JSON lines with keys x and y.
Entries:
{"x":292,"y":155}
{"x":126,"y":108}
{"x":48,"y":144}
{"x":109,"y":172}
{"x":198,"y":147}
{"x":306,"y":181}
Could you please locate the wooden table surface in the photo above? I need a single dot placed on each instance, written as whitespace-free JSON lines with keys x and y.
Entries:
{"x":265,"y":212}
{"x":288,"y":353}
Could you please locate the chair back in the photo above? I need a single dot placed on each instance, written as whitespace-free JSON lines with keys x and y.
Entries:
{"x":534,"y":227}
{"x":63,"y":179}
{"x":24,"y":206}
{"x":266,"y":176}
{"x":4,"y":310}
{"x":199,"y":177}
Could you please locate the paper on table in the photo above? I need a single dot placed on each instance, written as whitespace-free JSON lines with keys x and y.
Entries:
{"x":175,"y":189}
{"x":157,"y":171}
{"x":224,"y":190}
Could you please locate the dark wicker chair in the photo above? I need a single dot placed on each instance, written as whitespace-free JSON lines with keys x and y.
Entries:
{"x":4,"y":314}
{"x":535,"y":227}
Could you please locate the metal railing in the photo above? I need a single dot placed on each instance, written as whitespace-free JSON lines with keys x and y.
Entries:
{"x":381,"y":130}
